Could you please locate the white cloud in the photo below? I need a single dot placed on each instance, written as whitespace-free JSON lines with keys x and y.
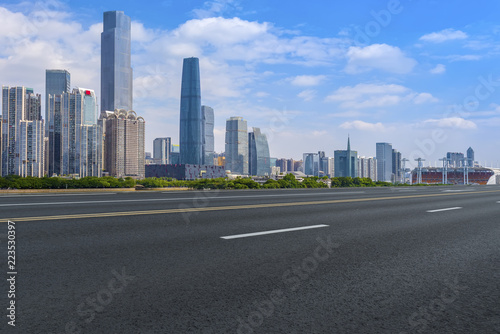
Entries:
{"x":379,"y":57}
{"x":451,"y":122}
{"x":439,"y":69}
{"x":376,"y":96}
{"x":307,"y":80}
{"x":363,"y":126}
{"x":424,"y":98}
{"x":444,"y":35}
{"x":307,"y":95}
{"x":454,"y":58}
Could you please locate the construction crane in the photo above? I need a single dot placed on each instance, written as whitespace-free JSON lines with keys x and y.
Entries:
{"x":403,"y":174}
{"x":445,"y":170}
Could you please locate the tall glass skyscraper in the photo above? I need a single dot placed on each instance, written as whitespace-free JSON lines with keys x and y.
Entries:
{"x":191,"y":140}
{"x":258,"y":153}
{"x":207,"y":115}
{"x":56,"y":83}
{"x":237,"y":145}
{"x":384,"y":162}
{"x":346,"y":162}
{"x":116,"y":70}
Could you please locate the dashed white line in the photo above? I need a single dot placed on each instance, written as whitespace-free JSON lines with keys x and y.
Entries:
{"x":447,"y":209}
{"x":237,"y":236}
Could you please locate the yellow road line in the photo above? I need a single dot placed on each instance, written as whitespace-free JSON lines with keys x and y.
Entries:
{"x":232,"y":207}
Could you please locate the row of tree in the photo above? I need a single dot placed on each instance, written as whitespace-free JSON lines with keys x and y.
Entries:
{"x":289,"y":181}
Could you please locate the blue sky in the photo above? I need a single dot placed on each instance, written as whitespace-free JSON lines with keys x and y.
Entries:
{"x":423,"y":75}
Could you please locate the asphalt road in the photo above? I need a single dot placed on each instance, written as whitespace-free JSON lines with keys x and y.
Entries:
{"x":359,"y":260}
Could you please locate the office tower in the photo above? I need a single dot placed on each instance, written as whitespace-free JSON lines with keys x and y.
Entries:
{"x":56,"y":83}
{"x":237,"y":145}
{"x":384,"y":162}
{"x":396,"y":166}
{"x":310,"y":164}
{"x":282,"y":164}
{"x":175,"y":155}
{"x":219,"y":159}
{"x":22,"y":132}
{"x":191,"y":140}
{"x":455,"y":159}
{"x":258,"y":153}
{"x":323,"y":164}
{"x":74,"y":137}
{"x":124,"y":144}
{"x":346,"y":162}
{"x":470,"y":157}
{"x":207,"y":134}
{"x":116,"y":70}
{"x":290,"y":165}
{"x":161,"y":150}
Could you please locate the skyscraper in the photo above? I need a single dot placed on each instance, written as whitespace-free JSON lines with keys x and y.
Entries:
{"x":384,"y":162}
{"x":191,"y":132}
{"x":455,"y":159}
{"x":74,"y":138}
{"x":396,"y":166}
{"x":237,"y":145}
{"x":116,"y":70}
{"x":310,"y":164}
{"x":161,"y":150}
{"x":22,"y":132}
{"x":124,"y":144}
{"x":56,"y":83}
{"x":258,"y":153}
{"x":207,"y":134}
{"x":346,"y":162}
{"x":470,"y":157}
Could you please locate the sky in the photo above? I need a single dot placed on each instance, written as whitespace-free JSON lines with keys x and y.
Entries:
{"x":423,"y":75}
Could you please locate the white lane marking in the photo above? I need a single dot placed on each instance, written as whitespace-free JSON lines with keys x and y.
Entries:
{"x":168,"y":199}
{"x":56,"y":195}
{"x":457,"y":191}
{"x":447,"y":209}
{"x":272,"y":232}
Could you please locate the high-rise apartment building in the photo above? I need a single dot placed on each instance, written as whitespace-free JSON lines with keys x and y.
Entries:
{"x":56,"y":83}
{"x":396,"y":166}
{"x":161,"y":150}
{"x":346,"y":162}
{"x":116,"y":70}
{"x":74,"y":137}
{"x":207,"y":133}
{"x":282,"y":164}
{"x":367,"y":167}
{"x":384,"y":162}
{"x":191,"y":125}
{"x":258,"y":153}
{"x":237,"y":145}
{"x":22,"y":132}
{"x":124,"y":144}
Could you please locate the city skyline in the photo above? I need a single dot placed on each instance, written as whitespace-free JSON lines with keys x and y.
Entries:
{"x":337,"y":83}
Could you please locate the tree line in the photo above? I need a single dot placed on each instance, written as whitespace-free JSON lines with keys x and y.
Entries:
{"x":289,"y":181}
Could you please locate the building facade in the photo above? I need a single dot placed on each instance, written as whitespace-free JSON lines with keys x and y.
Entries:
{"x":74,"y":137}
{"x":161,"y":150}
{"x":124,"y":144}
{"x":258,"y":154}
{"x":191,"y":122}
{"x":310,"y":164}
{"x":56,"y":83}
{"x":237,"y":145}
{"x":470,"y":157}
{"x":346,"y":162}
{"x":455,"y":159}
{"x":22,"y":132}
{"x":396,"y":166}
{"x":367,"y":167}
{"x":116,"y":70}
{"x":207,"y":133}
{"x":384,"y":162}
